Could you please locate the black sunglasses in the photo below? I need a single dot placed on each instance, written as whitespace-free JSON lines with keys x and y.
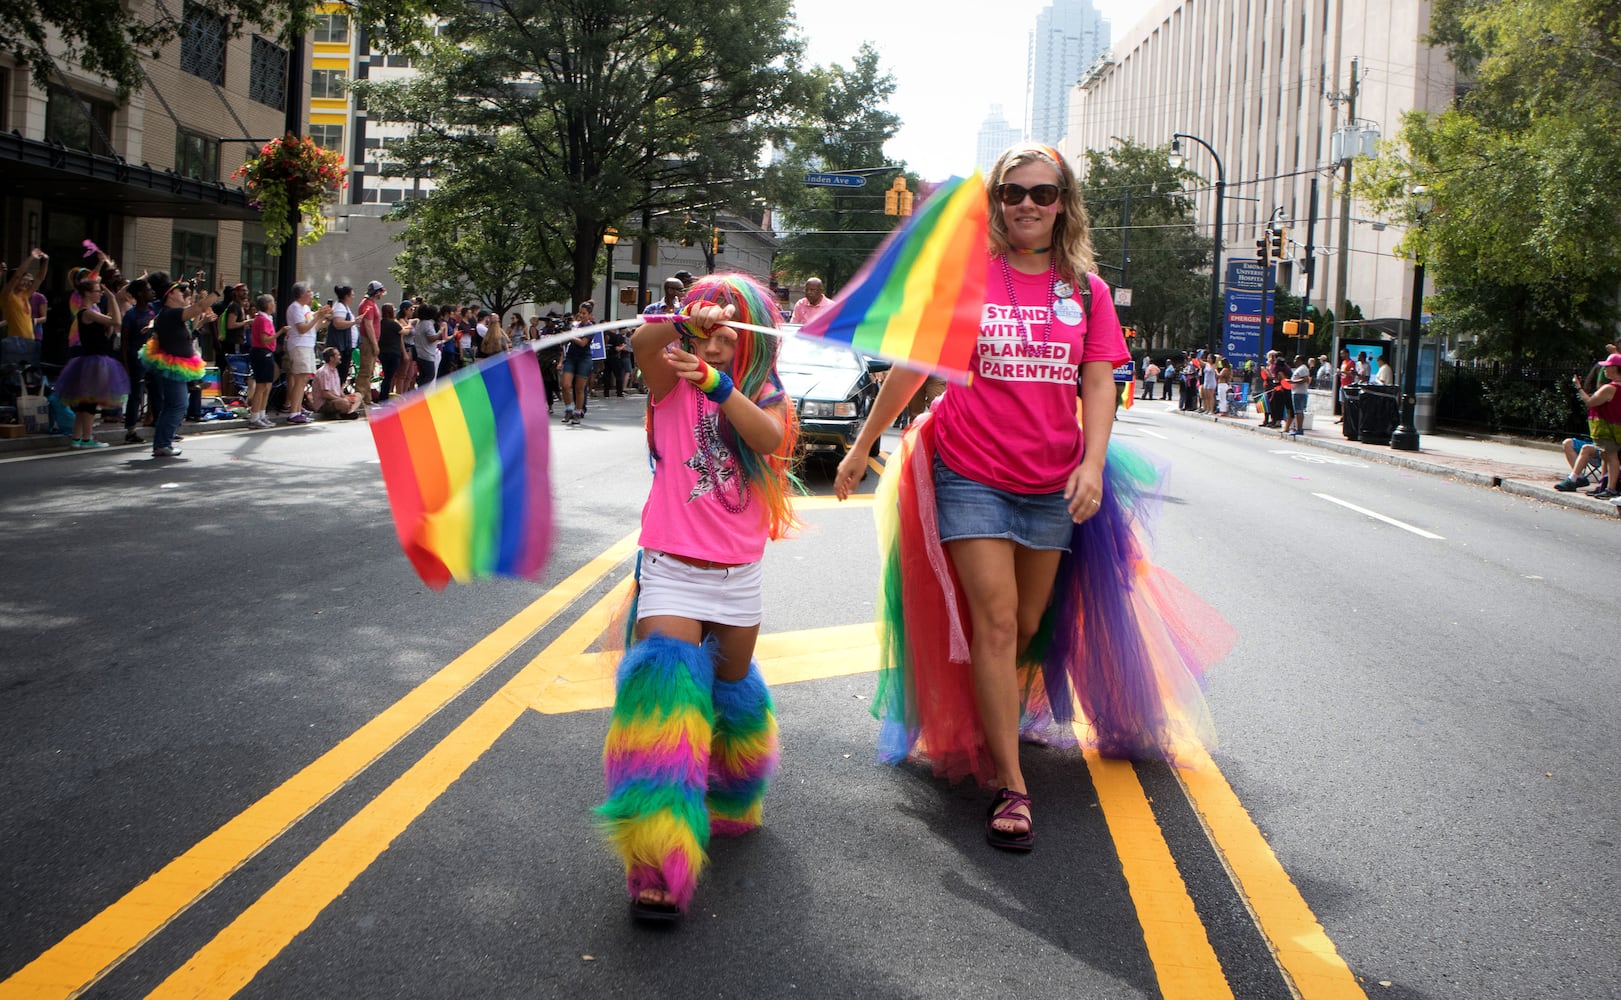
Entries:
{"x":1012,"y":194}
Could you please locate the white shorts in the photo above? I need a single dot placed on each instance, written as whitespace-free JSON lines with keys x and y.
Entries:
{"x":731,"y":596}
{"x":301,"y":361}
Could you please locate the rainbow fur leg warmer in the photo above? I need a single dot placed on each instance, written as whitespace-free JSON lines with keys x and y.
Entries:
{"x":743,"y":756}
{"x":657,"y":764}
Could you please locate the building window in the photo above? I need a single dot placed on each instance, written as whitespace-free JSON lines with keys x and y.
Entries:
{"x":328,"y":82}
{"x":196,"y":156}
{"x":202,"y":43}
{"x":258,"y":270}
{"x":191,"y":248}
{"x":332,"y":27}
{"x":398,"y":61}
{"x":328,"y":136}
{"x":78,"y":123}
{"x":267,"y":76}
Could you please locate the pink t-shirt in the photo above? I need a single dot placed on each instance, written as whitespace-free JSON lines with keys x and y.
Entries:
{"x":262,"y":332}
{"x":1014,"y":426}
{"x":694,"y":479}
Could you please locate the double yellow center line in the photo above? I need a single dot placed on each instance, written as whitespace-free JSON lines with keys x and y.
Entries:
{"x":565,"y":678}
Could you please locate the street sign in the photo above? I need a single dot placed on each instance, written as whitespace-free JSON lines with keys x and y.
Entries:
{"x":835,"y":180}
{"x":1122,"y":297}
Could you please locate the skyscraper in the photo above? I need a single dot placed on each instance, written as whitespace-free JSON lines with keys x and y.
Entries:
{"x":1068,"y":37}
{"x":995,"y":135}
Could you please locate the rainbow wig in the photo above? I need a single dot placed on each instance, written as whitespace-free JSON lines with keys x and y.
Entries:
{"x":656,"y":760}
{"x":754,"y":372}
{"x":744,"y":755}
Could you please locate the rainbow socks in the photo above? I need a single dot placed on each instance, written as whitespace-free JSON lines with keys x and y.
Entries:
{"x":743,"y":756}
{"x":656,"y":760}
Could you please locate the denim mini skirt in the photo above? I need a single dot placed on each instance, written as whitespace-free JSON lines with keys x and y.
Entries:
{"x":968,"y":509}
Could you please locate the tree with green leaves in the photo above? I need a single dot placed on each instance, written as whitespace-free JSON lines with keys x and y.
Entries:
{"x":830,"y":232}
{"x":110,"y":38}
{"x":1509,"y":196}
{"x":459,"y":246}
{"x":586,"y":116}
{"x":1144,"y":238}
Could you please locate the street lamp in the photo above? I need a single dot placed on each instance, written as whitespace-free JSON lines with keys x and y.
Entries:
{"x":1405,"y":436}
{"x":609,"y":239}
{"x":1213,"y":341}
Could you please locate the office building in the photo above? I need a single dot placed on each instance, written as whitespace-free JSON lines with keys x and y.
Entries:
{"x":1267,"y":84}
{"x":995,"y":135}
{"x":1068,"y":37}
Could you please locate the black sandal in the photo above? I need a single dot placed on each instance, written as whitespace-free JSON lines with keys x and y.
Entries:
{"x":654,"y":913}
{"x":1002,"y":807}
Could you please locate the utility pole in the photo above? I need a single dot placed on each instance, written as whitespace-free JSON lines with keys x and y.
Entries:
{"x":1311,"y":250}
{"x":293,"y":124}
{"x":1348,"y":157}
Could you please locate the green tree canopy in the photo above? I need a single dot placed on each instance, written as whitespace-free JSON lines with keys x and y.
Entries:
{"x":578,"y":117}
{"x":830,"y":232}
{"x":459,"y":246}
{"x":1516,"y":217}
{"x":1158,"y":253}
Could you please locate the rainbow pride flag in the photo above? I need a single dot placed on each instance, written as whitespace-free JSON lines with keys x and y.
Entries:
{"x":465,"y":464}
{"x":918,"y":300}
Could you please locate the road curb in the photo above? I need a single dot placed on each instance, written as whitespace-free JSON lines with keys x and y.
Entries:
{"x":1517,"y":487}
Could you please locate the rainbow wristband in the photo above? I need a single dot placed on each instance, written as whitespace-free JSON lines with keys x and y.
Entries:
{"x":715,"y":384}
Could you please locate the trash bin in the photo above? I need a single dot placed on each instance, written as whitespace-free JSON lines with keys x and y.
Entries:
{"x":1380,"y":412}
{"x":1351,"y":412}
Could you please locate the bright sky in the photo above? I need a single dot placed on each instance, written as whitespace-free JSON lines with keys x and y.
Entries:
{"x":951,"y":59}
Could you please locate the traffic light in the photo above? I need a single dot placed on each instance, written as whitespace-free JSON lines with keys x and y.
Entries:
{"x":1291,"y":328}
{"x":898,"y":200}
{"x":686,"y":230}
{"x":1261,"y":246}
{"x":1277,"y":243}
{"x":717,"y":240}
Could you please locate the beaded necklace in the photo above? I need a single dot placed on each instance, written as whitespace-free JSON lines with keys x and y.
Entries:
{"x":1013,"y":298}
{"x":742,"y":502}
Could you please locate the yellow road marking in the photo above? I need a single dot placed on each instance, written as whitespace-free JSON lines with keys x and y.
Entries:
{"x":1184,"y":961}
{"x":91,"y":951}
{"x":875,"y":465}
{"x":1302,"y":948}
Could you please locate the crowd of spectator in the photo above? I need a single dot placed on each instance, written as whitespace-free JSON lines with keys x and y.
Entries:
{"x":330,"y":359}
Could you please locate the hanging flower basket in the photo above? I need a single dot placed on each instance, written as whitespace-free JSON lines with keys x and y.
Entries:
{"x":289,"y":173}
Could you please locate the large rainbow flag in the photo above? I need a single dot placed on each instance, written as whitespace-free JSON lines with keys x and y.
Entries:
{"x":918,"y":300}
{"x":465,"y":464}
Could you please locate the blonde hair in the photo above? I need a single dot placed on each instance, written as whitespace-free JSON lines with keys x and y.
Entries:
{"x":1072,"y":229}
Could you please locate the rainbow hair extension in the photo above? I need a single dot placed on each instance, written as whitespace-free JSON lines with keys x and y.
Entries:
{"x":656,"y":760}
{"x":187,"y":369}
{"x":754,"y":373}
{"x":744,"y":755}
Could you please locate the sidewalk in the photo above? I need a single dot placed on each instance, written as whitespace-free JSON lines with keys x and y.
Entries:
{"x":1525,"y":468}
{"x":113,"y":434}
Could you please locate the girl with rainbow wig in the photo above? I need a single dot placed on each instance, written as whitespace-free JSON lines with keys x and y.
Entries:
{"x":692,"y":740}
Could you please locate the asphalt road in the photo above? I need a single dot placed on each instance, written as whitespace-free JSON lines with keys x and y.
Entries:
{"x":248,"y":753}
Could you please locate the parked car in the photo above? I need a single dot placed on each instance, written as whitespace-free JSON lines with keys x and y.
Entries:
{"x":833,"y":388}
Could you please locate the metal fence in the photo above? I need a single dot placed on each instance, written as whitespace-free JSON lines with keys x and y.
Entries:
{"x":1492,"y":397}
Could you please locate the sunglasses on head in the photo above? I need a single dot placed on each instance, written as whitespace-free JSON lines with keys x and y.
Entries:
{"x":1012,"y":194}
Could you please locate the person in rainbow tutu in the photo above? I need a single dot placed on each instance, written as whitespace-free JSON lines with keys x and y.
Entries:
{"x":1017,"y":600}
{"x":693,"y":737}
{"x":95,"y":379}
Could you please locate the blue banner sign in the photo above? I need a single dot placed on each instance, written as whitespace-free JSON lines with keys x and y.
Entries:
{"x":1247,"y":275}
{"x":1249,"y":315}
{"x":835,"y":180}
{"x":1126,"y":372}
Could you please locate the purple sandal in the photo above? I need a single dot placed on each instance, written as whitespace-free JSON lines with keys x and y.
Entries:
{"x":1002,"y":807}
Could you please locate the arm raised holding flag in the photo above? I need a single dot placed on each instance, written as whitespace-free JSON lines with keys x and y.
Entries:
{"x":998,"y":512}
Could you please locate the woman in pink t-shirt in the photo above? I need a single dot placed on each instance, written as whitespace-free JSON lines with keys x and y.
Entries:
{"x":693,"y":738}
{"x":1013,"y":489}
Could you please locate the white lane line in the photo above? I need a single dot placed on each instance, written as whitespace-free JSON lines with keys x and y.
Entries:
{"x":1144,"y":430}
{"x":1403,"y":525}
